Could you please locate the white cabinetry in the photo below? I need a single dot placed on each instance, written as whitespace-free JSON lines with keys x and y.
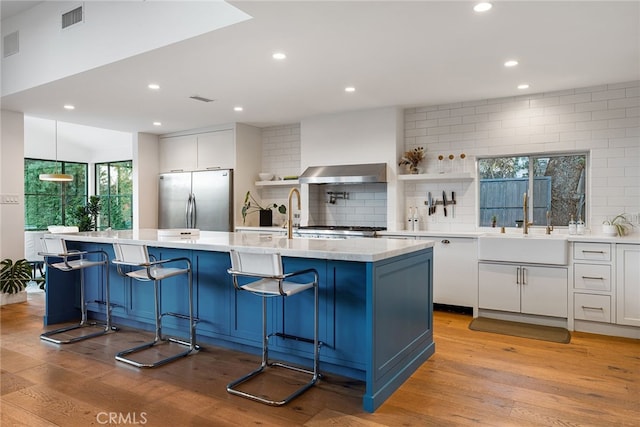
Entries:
{"x":454,"y":271}
{"x":528,"y":289}
{"x":628,"y":284}
{"x":592,"y":282}
{"x":209,"y":150}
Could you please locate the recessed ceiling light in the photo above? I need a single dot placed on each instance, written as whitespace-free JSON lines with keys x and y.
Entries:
{"x":153,"y":86}
{"x":69,"y":107}
{"x":157,"y":123}
{"x":349,"y":89}
{"x":523,"y":86}
{"x":511,"y":63}
{"x":482,"y":7}
{"x":279,"y":56}
{"x":238,"y":108}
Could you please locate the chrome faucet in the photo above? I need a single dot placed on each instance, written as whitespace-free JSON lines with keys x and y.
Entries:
{"x":289,"y":211}
{"x":525,"y":220}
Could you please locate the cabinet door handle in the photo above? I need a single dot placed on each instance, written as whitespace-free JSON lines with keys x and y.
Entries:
{"x":524,"y":281}
{"x":445,"y":241}
{"x":518,"y":276}
{"x":586,"y":307}
{"x":592,"y":252}
{"x":592,"y":278}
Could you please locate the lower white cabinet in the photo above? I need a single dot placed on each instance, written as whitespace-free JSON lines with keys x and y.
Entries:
{"x":628,"y":284}
{"x":454,"y":271}
{"x":529,"y":289}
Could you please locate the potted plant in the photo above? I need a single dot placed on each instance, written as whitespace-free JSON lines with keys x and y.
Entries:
{"x":618,"y":226}
{"x":266,"y":214}
{"x":87,"y":216}
{"x":14,"y":278}
{"x":412,"y":158}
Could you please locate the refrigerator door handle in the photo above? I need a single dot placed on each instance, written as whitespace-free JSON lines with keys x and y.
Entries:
{"x":193,"y":211}
{"x":187,"y":211}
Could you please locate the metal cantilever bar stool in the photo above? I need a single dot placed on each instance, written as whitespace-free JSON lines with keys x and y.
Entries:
{"x":133,"y":255}
{"x":56,"y":247}
{"x":263,"y":275}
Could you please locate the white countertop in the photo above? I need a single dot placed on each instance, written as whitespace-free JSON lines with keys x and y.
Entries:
{"x":356,"y":249}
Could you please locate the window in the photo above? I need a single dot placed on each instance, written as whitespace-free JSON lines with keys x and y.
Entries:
{"x":554,"y":184}
{"x":114,"y":186}
{"x":52,"y":203}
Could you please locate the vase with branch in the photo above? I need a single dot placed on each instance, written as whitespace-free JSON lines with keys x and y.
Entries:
{"x":412,"y":158}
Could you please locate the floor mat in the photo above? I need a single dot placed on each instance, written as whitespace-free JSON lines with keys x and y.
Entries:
{"x":517,"y":329}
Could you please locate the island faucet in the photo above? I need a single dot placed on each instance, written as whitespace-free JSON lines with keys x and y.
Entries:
{"x":289,"y":211}
{"x":525,"y":221}
{"x":549,"y":228}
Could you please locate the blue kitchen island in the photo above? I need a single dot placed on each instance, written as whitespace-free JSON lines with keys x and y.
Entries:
{"x":376,"y":311}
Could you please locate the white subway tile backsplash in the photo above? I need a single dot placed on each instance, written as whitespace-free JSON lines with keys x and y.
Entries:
{"x":601,"y":120}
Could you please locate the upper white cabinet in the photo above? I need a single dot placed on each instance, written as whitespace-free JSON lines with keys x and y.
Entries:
{"x":628,"y":284}
{"x":210,"y":150}
{"x":216,"y":150}
{"x":178,"y":153}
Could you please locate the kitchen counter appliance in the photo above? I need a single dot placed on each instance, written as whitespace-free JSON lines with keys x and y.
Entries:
{"x":336,"y":231}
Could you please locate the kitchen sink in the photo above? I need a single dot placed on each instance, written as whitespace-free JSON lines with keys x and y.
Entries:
{"x":524,"y":248}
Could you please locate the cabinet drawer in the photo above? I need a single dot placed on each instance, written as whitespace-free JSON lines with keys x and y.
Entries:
{"x":592,"y":251}
{"x":596,"y":308}
{"x":592,"y":276}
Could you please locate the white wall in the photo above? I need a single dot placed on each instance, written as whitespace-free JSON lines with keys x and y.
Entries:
{"x":12,"y":183}
{"x":602,"y":120}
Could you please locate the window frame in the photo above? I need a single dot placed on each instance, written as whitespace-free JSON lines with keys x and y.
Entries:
{"x":105,"y":218}
{"x":56,"y":166}
{"x":532,"y":158}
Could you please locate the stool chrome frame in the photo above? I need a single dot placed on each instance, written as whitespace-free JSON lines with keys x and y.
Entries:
{"x":71,"y":261}
{"x":155,"y":271}
{"x":267,"y":285}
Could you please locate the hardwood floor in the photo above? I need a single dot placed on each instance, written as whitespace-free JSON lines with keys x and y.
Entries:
{"x":474,"y":378}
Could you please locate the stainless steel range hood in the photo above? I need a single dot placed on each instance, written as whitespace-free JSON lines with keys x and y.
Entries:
{"x":345,"y":174}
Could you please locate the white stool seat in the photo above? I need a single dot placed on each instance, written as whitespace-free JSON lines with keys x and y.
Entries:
{"x":75,"y":264}
{"x":156,"y":273}
{"x":272,"y":287}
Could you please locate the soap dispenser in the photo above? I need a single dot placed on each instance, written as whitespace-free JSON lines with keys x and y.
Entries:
{"x":416,"y":219}
{"x":572,"y":226}
{"x":410,"y":220}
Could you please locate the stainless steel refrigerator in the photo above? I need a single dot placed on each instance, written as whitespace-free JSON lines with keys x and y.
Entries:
{"x":202,"y":200}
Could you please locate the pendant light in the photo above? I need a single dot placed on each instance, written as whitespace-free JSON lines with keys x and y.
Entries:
{"x":56,"y":177}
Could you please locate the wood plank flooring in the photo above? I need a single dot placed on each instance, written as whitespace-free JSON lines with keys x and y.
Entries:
{"x":474,"y":378}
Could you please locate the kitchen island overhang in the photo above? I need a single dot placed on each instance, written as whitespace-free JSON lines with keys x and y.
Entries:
{"x":376,"y":296}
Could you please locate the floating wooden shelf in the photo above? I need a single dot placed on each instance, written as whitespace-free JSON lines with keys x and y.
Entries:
{"x":462,"y":176}
{"x":279,"y":183}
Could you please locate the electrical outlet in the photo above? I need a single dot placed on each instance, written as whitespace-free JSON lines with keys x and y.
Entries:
{"x":10,"y":199}
{"x":634,"y":218}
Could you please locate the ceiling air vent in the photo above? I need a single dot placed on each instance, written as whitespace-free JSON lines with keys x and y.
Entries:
{"x":72,"y":17}
{"x":10,"y":44}
{"x":201,"y":98}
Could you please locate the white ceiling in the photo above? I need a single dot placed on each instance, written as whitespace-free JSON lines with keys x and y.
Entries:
{"x":394,"y":53}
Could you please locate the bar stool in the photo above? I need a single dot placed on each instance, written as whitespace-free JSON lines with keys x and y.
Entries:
{"x":133,"y":255}
{"x":72,"y":261}
{"x":262,"y":274}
